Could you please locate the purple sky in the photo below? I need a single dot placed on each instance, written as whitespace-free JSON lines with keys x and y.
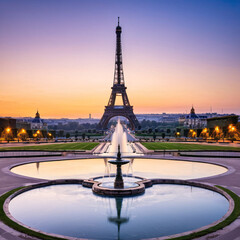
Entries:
{"x":58,"y":56}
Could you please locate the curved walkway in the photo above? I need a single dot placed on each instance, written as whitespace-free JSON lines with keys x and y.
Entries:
{"x":229,"y":180}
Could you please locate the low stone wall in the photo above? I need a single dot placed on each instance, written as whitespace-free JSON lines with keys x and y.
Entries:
{"x":118,"y":192}
{"x":32,"y":153}
{"x":213,"y":154}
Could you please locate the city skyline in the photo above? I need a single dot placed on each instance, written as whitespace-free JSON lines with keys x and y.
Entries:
{"x":58,"y":56}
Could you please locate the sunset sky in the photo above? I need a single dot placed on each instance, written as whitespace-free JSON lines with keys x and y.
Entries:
{"x":57,"y":56}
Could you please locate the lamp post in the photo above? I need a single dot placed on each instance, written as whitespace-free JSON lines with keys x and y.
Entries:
{"x":232,"y":130}
{"x":22,"y":134}
{"x":178,"y":134}
{"x":217,"y":133}
{"x":37,"y":135}
{"x":49,"y":136}
{"x":204,"y":133}
{"x":8,"y":134}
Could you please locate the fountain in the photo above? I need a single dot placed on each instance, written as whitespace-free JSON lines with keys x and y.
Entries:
{"x":118,"y":183}
{"x":79,"y":213}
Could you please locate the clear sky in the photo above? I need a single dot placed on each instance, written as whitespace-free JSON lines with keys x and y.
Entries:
{"x":57,"y":56}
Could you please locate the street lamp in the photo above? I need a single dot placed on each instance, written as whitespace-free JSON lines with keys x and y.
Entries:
{"x":49,"y":136}
{"x":232,"y":130}
{"x":217,"y":133}
{"x":22,"y":134}
{"x":8,"y":134}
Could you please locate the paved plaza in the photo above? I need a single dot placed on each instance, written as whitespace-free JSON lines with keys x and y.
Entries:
{"x":229,"y":180}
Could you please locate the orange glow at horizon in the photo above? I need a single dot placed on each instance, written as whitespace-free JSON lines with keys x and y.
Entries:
{"x":61,"y":92}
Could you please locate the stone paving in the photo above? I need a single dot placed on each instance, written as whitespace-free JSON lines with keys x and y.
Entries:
{"x":229,"y":180}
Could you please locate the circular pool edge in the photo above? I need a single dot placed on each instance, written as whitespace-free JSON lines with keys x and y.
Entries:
{"x":154,"y":181}
{"x":229,"y":169}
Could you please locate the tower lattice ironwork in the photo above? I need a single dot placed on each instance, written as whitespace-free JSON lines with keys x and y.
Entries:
{"x":119,"y":89}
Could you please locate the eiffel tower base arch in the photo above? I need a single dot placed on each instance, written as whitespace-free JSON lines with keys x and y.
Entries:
{"x":123,"y":111}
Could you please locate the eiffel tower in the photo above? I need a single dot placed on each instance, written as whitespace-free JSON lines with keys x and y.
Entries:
{"x":118,"y":89}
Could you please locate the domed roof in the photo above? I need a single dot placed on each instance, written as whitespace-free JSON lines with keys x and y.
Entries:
{"x":37,"y":118}
{"x":192,"y":110}
{"x":193,"y":114}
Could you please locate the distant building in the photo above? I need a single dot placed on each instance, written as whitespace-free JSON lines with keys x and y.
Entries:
{"x":195,"y":121}
{"x":169,"y":118}
{"x":182,"y":119}
{"x":23,"y":124}
{"x":162,"y":118}
{"x":7,"y":122}
{"x":222,"y":122}
{"x":38,"y":124}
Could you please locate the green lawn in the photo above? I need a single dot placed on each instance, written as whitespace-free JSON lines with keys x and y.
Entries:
{"x":57,"y":146}
{"x":184,"y":146}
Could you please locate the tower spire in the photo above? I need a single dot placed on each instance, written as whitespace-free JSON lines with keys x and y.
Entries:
{"x":118,"y":73}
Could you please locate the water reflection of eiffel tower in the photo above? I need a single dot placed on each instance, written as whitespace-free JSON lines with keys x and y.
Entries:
{"x":118,"y":220}
{"x":119,"y":89}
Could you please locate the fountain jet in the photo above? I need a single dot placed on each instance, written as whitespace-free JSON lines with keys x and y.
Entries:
{"x":118,"y":183}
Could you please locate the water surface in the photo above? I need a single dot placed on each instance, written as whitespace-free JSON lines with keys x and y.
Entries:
{"x":148,"y":168}
{"x":73,"y":210}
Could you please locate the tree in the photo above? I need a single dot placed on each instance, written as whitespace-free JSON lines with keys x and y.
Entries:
{"x":192,"y":133}
{"x":154,"y":136}
{"x":185,"y":132}
{"x":233,"y":133}
{"x":76,"y":135}
{"x":49,"y":136}
{"x":22,"y":134}
{"x":83,"y":136}
{"x":7,"y":134}
{"x":205,"y":133}
{"x":217,"y":133}
{"x":67,"y":135}
{"x":163,"y":135}
{"x":38,"y":135}
{"x":61,"y":133}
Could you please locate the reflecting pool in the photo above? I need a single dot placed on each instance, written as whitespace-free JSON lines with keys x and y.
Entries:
{"x":73,"y":210}
{"x":148,"y":168}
